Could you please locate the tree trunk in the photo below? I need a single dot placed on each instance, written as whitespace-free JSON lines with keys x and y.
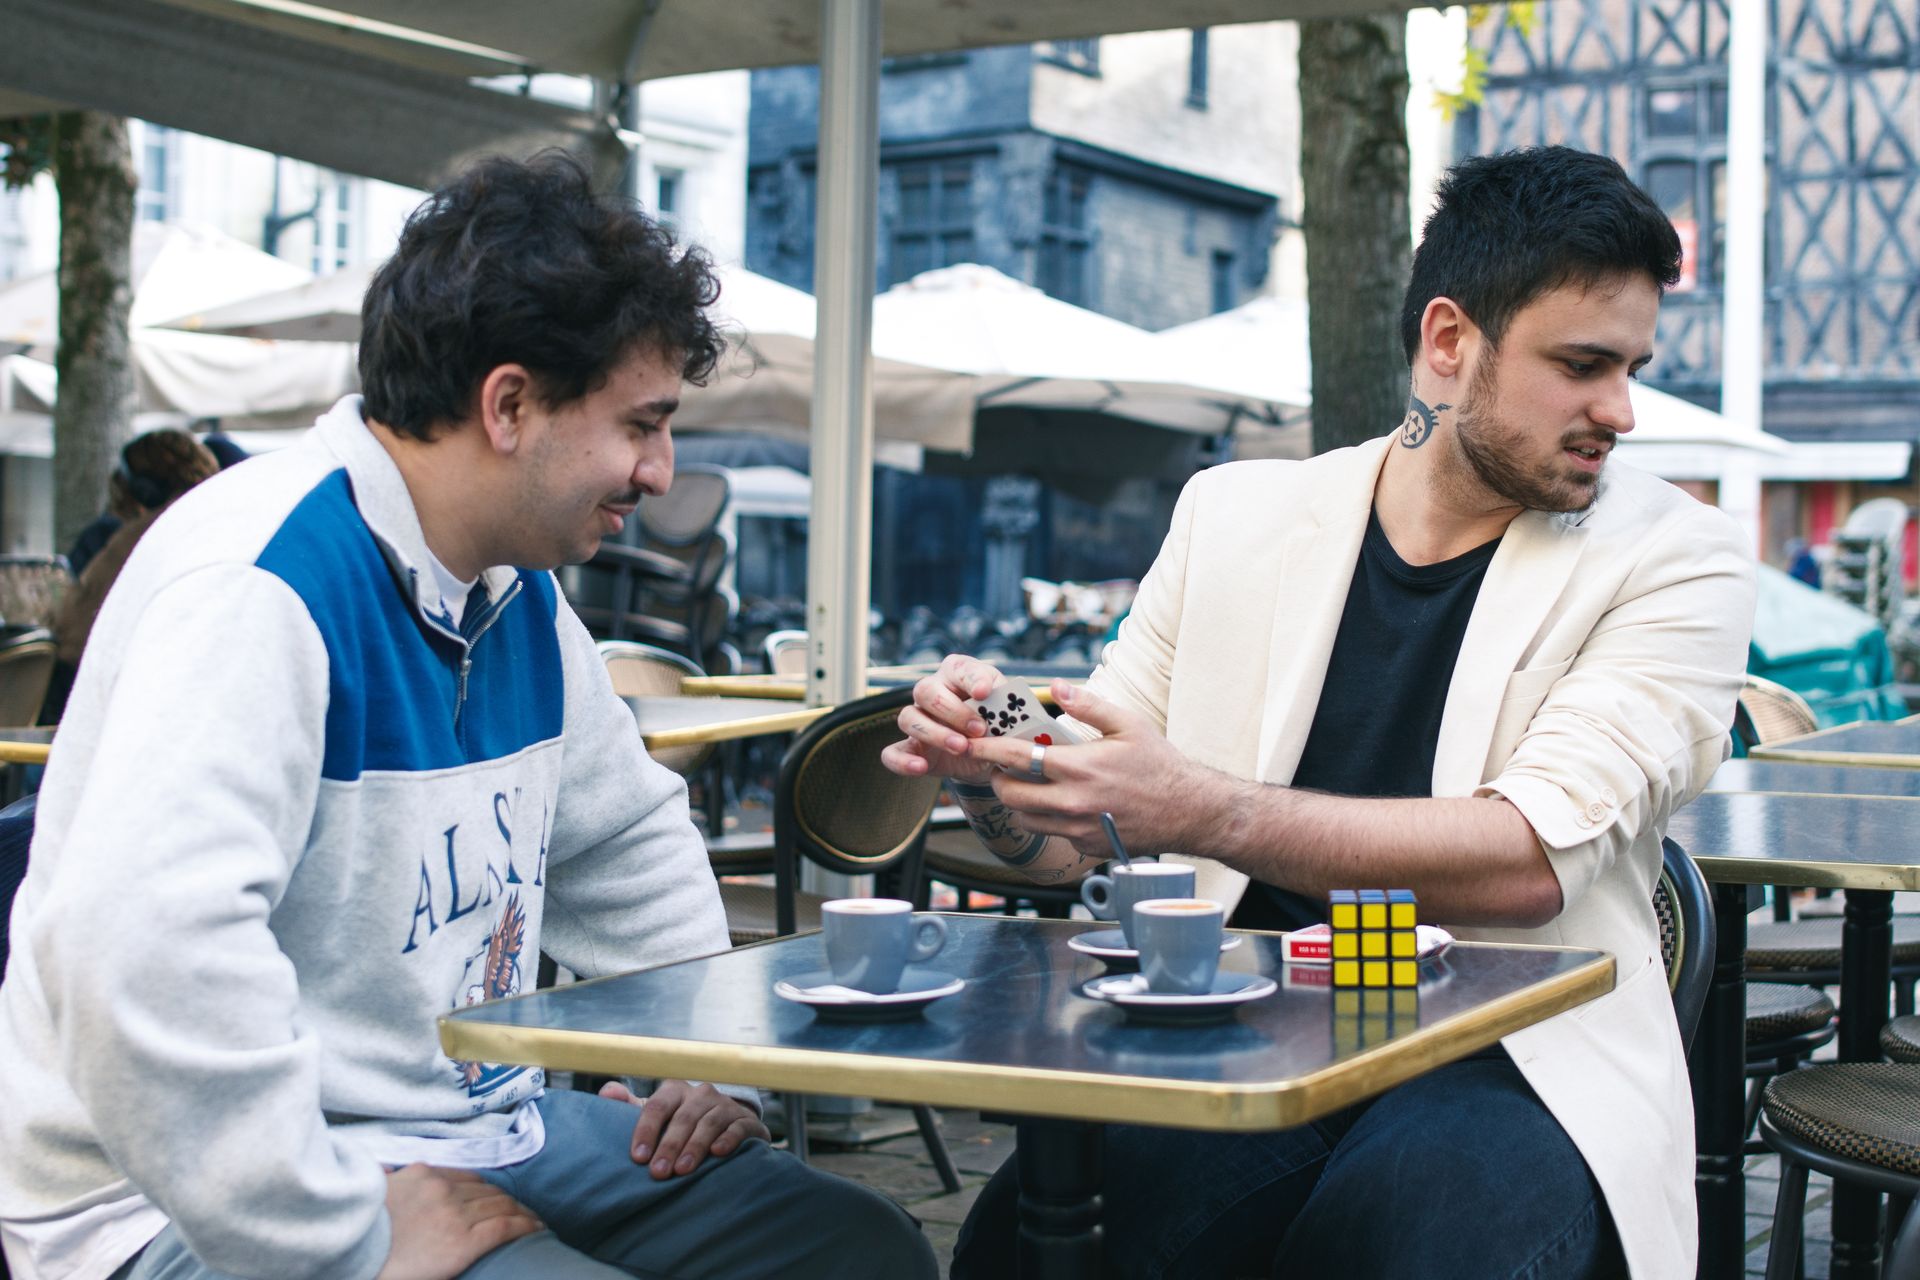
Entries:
{"x":93,"y":172}
{"x":1353,"y":165}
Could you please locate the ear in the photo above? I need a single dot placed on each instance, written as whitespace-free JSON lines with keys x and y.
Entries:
{"x":506,"y":398}
{"x":1447,"y":336}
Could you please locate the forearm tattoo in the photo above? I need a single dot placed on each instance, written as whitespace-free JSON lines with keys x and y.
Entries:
{"x":994,"y":823}
{"x":1418,"y":425}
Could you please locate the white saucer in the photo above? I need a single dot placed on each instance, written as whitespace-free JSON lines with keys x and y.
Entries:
{"x":919,"y":987}
{"x":1129,"y":991}
{"x":1111,"y":944}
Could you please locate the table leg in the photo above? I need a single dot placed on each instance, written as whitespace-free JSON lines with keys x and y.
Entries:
{"x":1060,"y":1176}
{"x":1719,"y":1076}
{"x":1866,"y":974}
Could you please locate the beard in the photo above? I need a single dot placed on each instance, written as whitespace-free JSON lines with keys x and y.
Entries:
{"x":1495,"y":451}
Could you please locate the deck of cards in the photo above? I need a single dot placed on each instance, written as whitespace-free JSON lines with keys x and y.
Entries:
{"x":1011,"y":709}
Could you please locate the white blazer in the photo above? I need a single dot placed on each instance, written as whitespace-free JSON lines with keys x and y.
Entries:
{"x":1594,"y":689}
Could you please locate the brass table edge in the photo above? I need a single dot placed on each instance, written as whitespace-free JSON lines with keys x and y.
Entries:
{"x":1805,"y":795}
{"x":1072,"y":1095}
{"x":1893,"y":877}
{"x":752,"y":726}
{"x":25,"y":752}
{"x":1860,"y":759}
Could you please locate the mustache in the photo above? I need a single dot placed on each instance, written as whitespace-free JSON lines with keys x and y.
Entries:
{"x":1591,"y":440}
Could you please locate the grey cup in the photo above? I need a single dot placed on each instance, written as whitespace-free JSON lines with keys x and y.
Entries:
{"x":871,"y":940}
{"x":1111,"y":897}
{"x":1179,"y":942}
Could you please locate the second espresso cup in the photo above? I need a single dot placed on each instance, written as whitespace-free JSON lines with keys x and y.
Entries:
{"x":1112,"y":896}
{"x":870,"y":941}
{"x":1179,"y":942}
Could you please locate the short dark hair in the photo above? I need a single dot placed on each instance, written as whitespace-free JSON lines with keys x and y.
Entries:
{"x":523,"y":262}
{"x":1507,"y":228}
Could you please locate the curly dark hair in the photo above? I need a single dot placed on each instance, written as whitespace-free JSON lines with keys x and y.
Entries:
{"x":1510,"y":227}
{"x":523,"y":262}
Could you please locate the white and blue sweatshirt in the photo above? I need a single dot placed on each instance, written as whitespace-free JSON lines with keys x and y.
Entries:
{"x":293,"y":815}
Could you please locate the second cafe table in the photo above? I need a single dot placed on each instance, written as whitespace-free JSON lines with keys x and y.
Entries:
{"x":1020,"y":1039}
{"x":1866,"y":845}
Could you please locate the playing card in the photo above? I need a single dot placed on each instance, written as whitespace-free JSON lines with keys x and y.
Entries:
{"x":1012,"y":710}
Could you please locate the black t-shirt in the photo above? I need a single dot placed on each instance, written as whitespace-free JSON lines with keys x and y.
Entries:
{"x":1378,"y":721}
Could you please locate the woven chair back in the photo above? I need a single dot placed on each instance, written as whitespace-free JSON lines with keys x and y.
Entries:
{"x":31,"y":587}
{"x":26,"y":667}
{"x":849,"y":813}
{"x":1684,"y":909}
{"x":1776,"y":711}
{"x":787,"y":653}
{"x":689,"y":509}
{"x":642,"y":671}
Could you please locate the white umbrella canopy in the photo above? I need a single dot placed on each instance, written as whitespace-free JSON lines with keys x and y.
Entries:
{"x":1258,"y":349}
{"x":764,"y":381}
{"x":177,"y":268}
{"x":1029,"y":350}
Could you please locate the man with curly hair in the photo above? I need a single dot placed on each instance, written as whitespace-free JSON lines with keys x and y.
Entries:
{"x":340,"y":759}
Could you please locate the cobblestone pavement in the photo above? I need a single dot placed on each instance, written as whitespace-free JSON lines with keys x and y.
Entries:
{"x":900,"y":1168}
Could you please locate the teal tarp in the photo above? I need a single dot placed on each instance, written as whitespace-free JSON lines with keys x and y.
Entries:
{"x":1830,"y":653}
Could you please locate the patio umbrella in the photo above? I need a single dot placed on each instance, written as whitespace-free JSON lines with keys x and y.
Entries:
{"x":765,"y":381}
{"x":175,"y":268}
{"x":1258,"y":349}
{"x":1028,"y":350}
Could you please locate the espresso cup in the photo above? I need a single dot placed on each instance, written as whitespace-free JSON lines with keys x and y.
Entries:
{"x":1112,"y":896}
{"x":1179,"y":942}
{"x":871,"y":940}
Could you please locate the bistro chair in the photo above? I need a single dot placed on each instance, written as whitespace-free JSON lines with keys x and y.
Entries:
{"x":786,"y":652}
{"x":1684,"y":908}
{"x":1856,"y":1122}
{"x":1900,"y":1039}
{"x":837,"y":806}
{"x":31,"y":587}
{"x":1771,"y":712}
{"x":26,"y":668}
{"x":647,"y":671}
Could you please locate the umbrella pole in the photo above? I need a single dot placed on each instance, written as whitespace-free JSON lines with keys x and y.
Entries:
{"x":840,"y":531}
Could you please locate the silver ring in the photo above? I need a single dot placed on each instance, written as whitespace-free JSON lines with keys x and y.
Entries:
{"x":1037,"y":763}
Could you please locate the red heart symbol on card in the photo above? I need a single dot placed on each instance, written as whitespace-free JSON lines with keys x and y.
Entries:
{"x":1042,"y":739}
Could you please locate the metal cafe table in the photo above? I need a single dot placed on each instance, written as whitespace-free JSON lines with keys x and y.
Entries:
{"x":684,"y":722}
{"x":1865,"y":844}
{"x":1021,"y":1040}
{"x":1886,"y":744}
{"x":26,"y":745}
{"x":879,"y":679}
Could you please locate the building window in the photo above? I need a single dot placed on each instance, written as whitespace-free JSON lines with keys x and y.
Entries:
{"x":1197,"y":71}
{"x":1225,"y":296}
{"x":153,"y":199}
{"x":934,"y":224}
{"x":13,"y":233}
{"x":1066,"y":244}
{"x":333,"y":226}
{"x":1075,"y":55}
{"x":669,"y":185}
{"x":1684,"y":169}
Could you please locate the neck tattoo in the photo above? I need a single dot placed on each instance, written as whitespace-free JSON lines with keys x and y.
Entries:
{"x":1417,"y":427}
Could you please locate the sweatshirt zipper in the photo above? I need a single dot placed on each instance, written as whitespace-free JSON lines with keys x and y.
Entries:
{"x":487,"y":619}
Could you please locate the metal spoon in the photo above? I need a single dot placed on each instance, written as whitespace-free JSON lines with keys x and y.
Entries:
{"x":1113,"y":836}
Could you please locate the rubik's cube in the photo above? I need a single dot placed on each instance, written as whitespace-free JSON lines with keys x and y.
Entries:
{"x":1374,"y":940}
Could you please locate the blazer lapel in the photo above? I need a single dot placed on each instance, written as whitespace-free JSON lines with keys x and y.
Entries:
{"x":1316,"y":569}
{"x":1525,"y":579}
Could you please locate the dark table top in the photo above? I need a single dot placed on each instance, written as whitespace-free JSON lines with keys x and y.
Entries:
{"x":1826,"y":841}
{"x":1788,"y":778}
{"x":1881,"y":743}
{"x":1020,"y":1038}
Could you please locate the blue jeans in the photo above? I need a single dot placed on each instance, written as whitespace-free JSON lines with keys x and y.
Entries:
{"x":757,"y":1213}
{"x":1461,"y":1173}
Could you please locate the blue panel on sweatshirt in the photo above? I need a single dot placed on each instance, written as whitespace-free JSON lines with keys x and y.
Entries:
{"x":392,"y":680}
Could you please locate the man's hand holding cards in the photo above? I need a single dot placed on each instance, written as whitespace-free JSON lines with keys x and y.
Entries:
{"x":1012,"y":710}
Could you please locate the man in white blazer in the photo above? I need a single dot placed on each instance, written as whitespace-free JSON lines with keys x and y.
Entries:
{"x":1474,"y":658}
